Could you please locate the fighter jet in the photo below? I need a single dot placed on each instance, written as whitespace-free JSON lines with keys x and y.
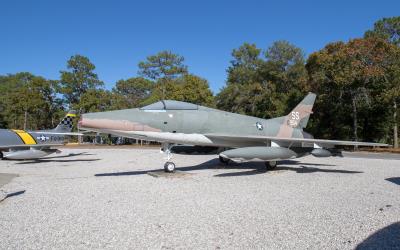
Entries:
{"x":24,"y":145}
{"x":247,"y":138}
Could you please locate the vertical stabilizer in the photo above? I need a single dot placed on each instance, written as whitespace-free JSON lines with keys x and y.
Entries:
{"x":67,"y":122}
{"x":298,"y":117}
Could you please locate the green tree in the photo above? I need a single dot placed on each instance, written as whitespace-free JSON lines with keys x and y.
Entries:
{"x":134,"y":90}
{"x":285,"y":66}
{"x":349,"y":78}
{"x":244,"y":80}
{"x":389,"y":30}
{"x":163,"y":68}
{"x":391,"y":93}
{"x":187,"y":88}
{"x":245,"y":65}
{"x":29,"y":101}
{"x":164,"y":64}
{"x":265,"y":86}
{"x":95,"y":100}
{"x":194,"y":89}
{"x":79,"y":78}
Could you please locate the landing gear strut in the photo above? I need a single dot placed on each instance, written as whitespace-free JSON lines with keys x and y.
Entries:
{"x":270,"y":165}
{"x":223,"y":160}
{"x":169,"y":166}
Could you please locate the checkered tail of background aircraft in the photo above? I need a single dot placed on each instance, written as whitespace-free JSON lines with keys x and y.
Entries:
{"x":66,"y":124}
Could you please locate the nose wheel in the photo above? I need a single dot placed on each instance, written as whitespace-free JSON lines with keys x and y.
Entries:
{"x":169,"y":166}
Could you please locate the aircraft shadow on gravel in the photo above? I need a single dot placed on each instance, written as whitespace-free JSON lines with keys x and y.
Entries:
{"x":385,"y":238}
{"x":15,"y":194}
{"x":12,"y":195}
{"x":57,"y":159}
{"x":303,"y":168}
{"x":254,"y":168}
{"x":395,"y":180}
{"x":68,"y":155}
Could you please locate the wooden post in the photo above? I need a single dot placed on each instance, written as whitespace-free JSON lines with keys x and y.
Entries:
{"x":25,"y":119}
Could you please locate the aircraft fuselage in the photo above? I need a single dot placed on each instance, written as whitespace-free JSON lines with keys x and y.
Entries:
{"x":187,"y":126}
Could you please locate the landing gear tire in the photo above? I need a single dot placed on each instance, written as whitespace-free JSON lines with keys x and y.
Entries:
{"x":1,"y":155}
{"x":223,"y":160}
{"x":169,"y":167}
{"x":270,"y":165}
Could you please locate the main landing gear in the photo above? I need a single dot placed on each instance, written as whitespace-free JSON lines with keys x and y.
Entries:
{"x":270,"y":165}
{"x":169,"y":166}
{"x":223,"y":160}
{"x":1,"y":155}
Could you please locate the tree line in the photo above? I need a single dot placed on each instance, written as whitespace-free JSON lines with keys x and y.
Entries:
{"x":357,"y":83}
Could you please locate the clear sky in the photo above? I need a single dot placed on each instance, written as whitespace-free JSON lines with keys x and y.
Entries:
{"x":40,"y":36}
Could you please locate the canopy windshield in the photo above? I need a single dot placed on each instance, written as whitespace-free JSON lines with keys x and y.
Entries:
{"x":170,"y":105}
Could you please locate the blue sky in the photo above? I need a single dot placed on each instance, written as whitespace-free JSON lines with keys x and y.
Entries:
{"x":40,"y":36}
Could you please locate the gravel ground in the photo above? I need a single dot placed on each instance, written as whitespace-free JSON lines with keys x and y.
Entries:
{"x":104,"y":198}
{"x":6,"y":178}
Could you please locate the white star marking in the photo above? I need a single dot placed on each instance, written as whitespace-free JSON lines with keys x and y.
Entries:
{"x":42,"y":138}
{"x":259,"y":126}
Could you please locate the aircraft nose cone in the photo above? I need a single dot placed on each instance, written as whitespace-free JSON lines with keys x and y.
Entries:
{"x":114,"y":122}
{"x":85,"y":122}
{"x":98,"y":122}
{"x":80,"y":122}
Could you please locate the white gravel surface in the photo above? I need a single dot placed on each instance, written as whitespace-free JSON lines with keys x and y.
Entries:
{"x":103,"y":198}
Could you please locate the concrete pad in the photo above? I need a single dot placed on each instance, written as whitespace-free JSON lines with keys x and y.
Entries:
{"x":162,"y":173}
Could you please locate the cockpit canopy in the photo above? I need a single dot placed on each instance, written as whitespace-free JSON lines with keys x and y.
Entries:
{"x":170,"y":105}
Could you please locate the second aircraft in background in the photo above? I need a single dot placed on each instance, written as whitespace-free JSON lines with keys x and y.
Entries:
{"x":24,"y":145}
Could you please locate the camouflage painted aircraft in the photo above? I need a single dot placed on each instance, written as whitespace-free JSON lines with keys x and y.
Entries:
{"x":24,"y":145}
{"x":247,"y":138}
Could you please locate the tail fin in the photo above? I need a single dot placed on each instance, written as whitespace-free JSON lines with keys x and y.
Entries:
{"x":298,"y":117}
{"x":67,"y":122}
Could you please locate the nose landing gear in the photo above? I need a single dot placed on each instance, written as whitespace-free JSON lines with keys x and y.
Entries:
{"x":169,"y":166}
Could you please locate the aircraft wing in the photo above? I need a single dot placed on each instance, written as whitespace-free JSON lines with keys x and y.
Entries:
{"x":319,"y":142}
{"x":57,"y":133}
{"x":30,"y":146}
{"x":122,"y":133}
{"x":232,"y":139}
